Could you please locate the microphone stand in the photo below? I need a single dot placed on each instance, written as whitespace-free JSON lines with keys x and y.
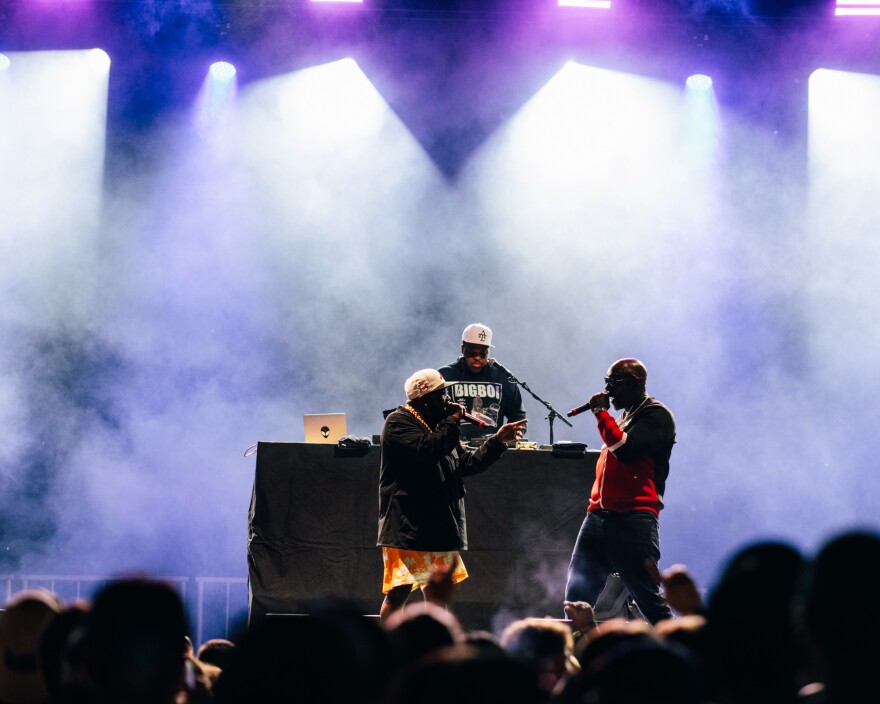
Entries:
{"x":553,"y":415}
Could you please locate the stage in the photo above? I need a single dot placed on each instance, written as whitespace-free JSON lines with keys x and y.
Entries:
{"x":313,"y":523}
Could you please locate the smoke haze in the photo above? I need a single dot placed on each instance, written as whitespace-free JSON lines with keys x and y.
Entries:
{"x":311,"y":246}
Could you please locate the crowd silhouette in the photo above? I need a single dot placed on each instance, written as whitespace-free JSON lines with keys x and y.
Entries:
{"x":778,"y":627}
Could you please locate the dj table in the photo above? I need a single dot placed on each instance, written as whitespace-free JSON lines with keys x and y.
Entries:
{"x":313,"y":523}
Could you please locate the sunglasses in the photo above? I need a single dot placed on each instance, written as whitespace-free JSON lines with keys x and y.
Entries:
{"x":475,"y":352}
{"x":612,"y":381}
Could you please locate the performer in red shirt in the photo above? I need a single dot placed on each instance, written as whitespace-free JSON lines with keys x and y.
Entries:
{"x":621,"y":530}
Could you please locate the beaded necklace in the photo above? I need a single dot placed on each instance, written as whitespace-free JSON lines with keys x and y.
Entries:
{"x":417,"y":416}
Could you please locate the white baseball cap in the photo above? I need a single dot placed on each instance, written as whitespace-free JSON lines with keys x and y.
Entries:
{"x":424,"y":382}
{"x":477,"y":334}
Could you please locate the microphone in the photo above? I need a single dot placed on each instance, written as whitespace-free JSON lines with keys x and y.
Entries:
{"x":473,"y":419}
{"x":583,"y":407}
{"x":494,"y":363}
{"x":579,"y":409}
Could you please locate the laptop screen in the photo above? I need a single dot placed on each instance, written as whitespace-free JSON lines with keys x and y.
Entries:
{"x":324,"y":428}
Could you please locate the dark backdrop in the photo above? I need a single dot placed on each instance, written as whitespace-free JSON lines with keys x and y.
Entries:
{"x":313,"y":522}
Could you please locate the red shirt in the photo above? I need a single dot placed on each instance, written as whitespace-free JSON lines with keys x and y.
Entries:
{"x":632,"y":467}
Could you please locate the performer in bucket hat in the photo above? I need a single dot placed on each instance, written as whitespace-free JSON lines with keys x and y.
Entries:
{"x":422,"y":526}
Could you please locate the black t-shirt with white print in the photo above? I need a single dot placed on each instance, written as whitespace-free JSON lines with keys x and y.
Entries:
{"x":488,"y":395}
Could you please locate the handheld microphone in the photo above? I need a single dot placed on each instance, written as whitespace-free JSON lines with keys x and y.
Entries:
{"x":579,"y":409}
{"x":473,"y":419}
{"x":583,"y":407}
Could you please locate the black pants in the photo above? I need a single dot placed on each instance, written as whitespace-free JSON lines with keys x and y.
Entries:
{"x":618,"y":542}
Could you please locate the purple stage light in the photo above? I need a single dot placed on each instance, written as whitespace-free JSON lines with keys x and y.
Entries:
{"x":222,"y":70}
{"x":216,"y":95}
{"x":4,"y":62}
{"x":593,"y":4}
{"x":857,"y":7}
{"x":699,"y":81}
{"x":355,"y":1}
{"x":99,"y":61}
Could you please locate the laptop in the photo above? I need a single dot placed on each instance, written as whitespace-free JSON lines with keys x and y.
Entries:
{"x":324,"y":428}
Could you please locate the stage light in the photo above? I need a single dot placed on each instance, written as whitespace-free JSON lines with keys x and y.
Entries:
{"x":54,"y":119}
{"x":331,"y":103}
{"x":4,"y":62}
{"x":843,"y":107}
{"x":698,"y":81}
{"x":217,"y":94}
{"x":576,"y":135}
{"x":349,"y":1}
{"x":857,"y":7}
{"x":222,"y":70}
{"x":702,"y":122}
{"x":593,"y":4}
{"x":100,"y":61}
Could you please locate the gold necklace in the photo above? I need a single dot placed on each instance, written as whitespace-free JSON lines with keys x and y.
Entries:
{"x":417,"y":416}
{"x":628,"y":415}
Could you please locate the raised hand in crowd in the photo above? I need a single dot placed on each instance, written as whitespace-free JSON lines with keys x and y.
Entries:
{"x":581,"y":615}
{"x":681,"y":591}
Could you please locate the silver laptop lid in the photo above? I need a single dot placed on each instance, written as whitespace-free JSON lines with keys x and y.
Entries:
{"x":324,"y":428}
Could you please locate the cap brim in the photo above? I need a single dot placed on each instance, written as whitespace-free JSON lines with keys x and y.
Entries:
{"x":444,"y":385}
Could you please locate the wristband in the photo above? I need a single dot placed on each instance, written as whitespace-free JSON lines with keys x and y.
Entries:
{"x":583,"y":631}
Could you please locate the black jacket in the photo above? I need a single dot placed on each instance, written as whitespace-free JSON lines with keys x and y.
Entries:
{"x":421,"y":493}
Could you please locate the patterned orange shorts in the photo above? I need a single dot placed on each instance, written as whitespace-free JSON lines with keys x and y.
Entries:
{"x":415,"y":567}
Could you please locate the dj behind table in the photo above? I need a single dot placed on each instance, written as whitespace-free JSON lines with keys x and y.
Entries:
{"x":312,"y":530}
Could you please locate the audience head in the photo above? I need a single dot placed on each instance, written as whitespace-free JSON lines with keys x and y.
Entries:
{"x":462,"y":674}
{"x":137,"y":631}
{"x":544,"y":644}
{"x":625,"y":666}
{"x":216,"y":652}
{"x":421,"y":628}
{"x":752,"y":648}
{"x":486,"y":643}
{"x":21,"y":626}
{"x":605,"y":636}
{"x":333,"y":655}
{"x":63,"y":656}
{"x":841,"y":623}
{"x":687,"y":631}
